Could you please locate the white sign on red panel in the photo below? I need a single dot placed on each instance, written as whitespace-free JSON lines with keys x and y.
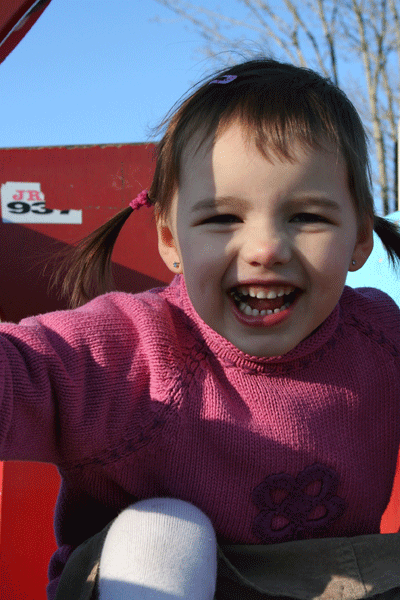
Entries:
{"x":23,"y":202}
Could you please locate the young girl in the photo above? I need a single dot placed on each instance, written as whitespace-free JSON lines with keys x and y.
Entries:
{"x":236,"y":432}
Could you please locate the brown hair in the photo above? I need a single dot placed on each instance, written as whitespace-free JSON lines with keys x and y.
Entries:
{"x":279,"y":104}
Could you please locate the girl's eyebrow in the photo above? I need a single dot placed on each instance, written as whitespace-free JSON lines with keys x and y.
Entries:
{"x":317,"y":201}
{"x":208,"y":203}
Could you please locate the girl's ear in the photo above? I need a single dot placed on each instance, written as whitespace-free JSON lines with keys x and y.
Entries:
{"x":364,"y":246}
{"x":167,"y":247}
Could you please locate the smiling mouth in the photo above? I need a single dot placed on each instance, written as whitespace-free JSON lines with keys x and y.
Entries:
{"x":253,"y":306}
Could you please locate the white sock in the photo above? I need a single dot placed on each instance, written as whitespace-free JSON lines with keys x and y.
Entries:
{"x":159,"y":549}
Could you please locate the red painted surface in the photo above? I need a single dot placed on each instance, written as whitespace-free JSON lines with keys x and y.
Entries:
{"x":16,"y":19}
{"x":390,"y":522}
{"x":100,"y":181}
{"x":27,"y":538}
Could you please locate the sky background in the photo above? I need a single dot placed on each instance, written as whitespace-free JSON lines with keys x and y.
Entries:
{"x":97,"y":71}
{"x":105,"y":72}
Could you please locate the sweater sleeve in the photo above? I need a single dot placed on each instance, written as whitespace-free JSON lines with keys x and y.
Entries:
{"x":64,"y":377}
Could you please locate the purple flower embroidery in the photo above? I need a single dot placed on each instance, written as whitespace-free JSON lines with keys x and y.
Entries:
{"x":296,"y":508}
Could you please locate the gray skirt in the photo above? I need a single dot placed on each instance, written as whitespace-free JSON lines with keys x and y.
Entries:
{"x":319,"y":569}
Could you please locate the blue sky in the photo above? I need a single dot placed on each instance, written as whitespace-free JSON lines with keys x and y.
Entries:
{"x":103,"y":71}
{"x":96,"y":71}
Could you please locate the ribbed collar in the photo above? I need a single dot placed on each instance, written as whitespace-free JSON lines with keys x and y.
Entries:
{"x":311,"y":349}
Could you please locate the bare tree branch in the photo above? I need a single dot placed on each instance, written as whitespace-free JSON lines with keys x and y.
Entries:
{"x":329,"y":33}
{"x":396,"y":19}
{"x":297,"y":19}
{"x":372,"y":75}
{"x":322,"y":34}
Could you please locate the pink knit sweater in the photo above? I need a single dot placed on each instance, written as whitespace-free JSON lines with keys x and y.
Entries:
{"x":134,"y":396}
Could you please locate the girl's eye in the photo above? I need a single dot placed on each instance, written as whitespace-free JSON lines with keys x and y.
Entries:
{"x":309,"y":218}
{"x":222,"y":219}
{"x":299,"y":218}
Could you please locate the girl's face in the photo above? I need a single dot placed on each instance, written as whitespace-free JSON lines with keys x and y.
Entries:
{"x":285,"y":231}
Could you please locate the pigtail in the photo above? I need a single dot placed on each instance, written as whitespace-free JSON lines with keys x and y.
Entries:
{"x":389,"y":234}
{"x":84,"y":271}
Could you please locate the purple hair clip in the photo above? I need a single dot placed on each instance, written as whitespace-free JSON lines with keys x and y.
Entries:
{"x":224,"y":79}
{"x":141,"y":199}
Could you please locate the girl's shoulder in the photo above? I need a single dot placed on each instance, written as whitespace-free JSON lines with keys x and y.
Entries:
{"x":371,"y":300}
{"x":372,"y":311}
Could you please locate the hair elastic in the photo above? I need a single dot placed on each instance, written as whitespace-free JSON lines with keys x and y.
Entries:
{"x":224,"y":79}
{"x":141,"y":199}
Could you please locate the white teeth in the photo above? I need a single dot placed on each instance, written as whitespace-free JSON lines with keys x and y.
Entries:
{"x":259,"y":292}
{"x":239,"y":294}
{"x":253,"y":312}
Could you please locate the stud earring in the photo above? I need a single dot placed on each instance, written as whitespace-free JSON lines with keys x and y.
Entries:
{"x":353,"y":262}
{"x":176,"y":265}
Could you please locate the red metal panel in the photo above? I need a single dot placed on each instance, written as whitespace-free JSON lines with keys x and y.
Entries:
{"x":27,"y":543}
{"x":16,"y":19}
{"x":390,"y":522}
{"x":99,"y":181}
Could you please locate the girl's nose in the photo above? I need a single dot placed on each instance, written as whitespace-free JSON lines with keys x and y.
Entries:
{"x":267,"y":248}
